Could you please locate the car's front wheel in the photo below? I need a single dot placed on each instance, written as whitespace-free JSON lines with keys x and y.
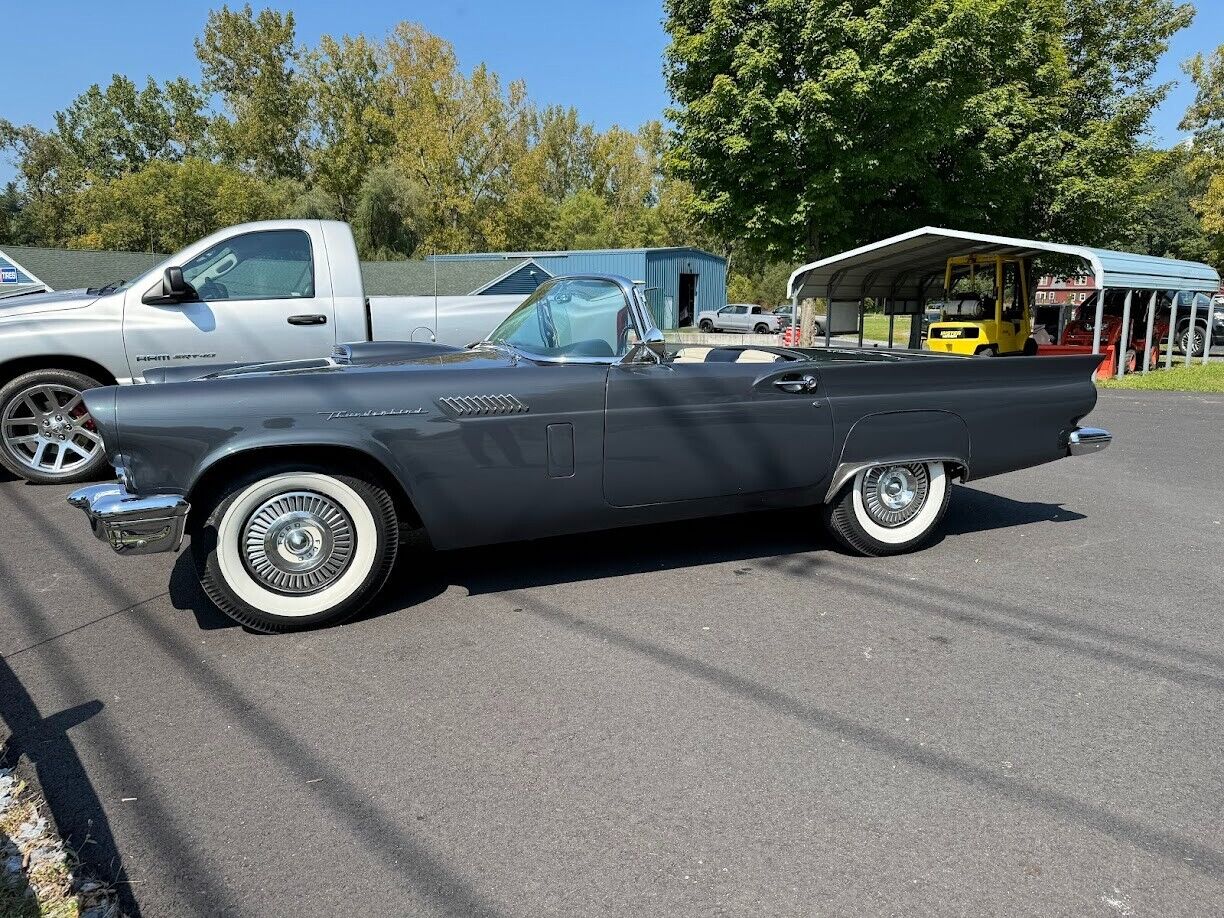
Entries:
{"x":890,"y":509}
{"x":291,"y":549}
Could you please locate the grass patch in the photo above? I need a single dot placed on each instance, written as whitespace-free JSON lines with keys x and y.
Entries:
{"x":1195,"y":378}
{"x":875,"y":328}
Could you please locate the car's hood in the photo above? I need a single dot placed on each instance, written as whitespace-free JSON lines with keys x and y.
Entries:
{"x":29,"y":304}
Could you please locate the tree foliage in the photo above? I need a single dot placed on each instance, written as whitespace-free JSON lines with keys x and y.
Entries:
{"x":389,"y":134}
{"x":810,"y":127}
{"x":1205,"y":118}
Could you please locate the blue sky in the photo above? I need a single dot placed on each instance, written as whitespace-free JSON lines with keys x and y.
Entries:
{"x":604,"y":58}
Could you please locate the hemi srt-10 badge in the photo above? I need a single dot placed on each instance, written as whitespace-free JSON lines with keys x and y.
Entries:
{"x":163,"y":358}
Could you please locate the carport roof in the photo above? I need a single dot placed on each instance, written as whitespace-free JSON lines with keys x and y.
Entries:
{"x":893,"y":267}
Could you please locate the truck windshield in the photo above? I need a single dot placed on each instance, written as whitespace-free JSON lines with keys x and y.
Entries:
{"x":582,"y":317}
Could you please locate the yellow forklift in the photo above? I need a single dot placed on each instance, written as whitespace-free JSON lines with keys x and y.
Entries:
{"x":985,"y":311}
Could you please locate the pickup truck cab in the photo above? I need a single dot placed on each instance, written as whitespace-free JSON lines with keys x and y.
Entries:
{"x":740,"y":317}
{"x":260,"y":292}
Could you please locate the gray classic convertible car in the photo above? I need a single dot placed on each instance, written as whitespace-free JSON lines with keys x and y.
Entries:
{"x":295,"y":480}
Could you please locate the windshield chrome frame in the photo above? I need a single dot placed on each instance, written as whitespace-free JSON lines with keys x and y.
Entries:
{"x":637,"y":314}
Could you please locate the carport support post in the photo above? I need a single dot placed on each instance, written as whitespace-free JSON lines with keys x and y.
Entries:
{"x":892,"y":321}
{"x":1151,"y":325}
{"x":1096,"y":325}
{"x":794,"y":329}
{"x":862,"y":318}
{"x":1172,"y":329}
{"x":1210,"y":327}
{"x":1124,"y":338}
{"x":1190,"y":328}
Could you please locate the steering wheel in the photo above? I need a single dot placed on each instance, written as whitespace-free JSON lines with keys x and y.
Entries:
{"x":548,"y":328}
{"x":211,"y":290}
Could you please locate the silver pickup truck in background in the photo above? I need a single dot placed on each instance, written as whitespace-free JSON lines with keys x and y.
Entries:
{"x":260,"y":292}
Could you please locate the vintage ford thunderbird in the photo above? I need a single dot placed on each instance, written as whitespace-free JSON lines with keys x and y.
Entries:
{"x":295,"y":480}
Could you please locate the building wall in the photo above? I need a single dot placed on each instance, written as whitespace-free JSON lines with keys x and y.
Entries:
{"x":523,"y":281}
{"x":663,"y":270}
{"x":1060,"y":291}
{"x":659,"y":269}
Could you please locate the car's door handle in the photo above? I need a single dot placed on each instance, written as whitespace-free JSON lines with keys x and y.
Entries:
{"x":308,"y":320}
{"x":805,"y":383}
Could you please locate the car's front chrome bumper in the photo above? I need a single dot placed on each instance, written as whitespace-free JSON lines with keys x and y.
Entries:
{"x":133,"y":525}
{"x":1085,"y":440}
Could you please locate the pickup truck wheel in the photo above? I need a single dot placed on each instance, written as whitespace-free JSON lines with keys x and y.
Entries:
{"x":761,"y":328}
{"x":46,"y":435}
{"x":1192,"y":346}
{"x":292,"y":549}
{"x":889,"y":509}
{"x":706,"y":325}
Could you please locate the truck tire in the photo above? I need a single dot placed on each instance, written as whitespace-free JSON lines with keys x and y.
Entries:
{"x":890,"y":509}
{"x":291,"y":548}
{"x":46,"y":435}
{"x":988,"y":351}
{"x":761,"y":328}
{"x":1185,"y":342}
{"x":706,"y":325}
{"x":1030,"y":347}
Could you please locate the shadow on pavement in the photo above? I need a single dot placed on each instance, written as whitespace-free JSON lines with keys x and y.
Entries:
{"x":62,"y":777}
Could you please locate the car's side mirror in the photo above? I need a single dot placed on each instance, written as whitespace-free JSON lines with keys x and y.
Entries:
{"x":653,"y":342}
{"x":174,"y":289}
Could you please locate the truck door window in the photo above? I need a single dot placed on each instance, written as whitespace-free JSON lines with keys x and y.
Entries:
{"x":266,"y":265}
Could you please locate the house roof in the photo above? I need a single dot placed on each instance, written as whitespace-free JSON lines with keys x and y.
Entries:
{"x":886,"y":267}
{"x":416,"y":278}
{"x":563,"y":253}
{"x":63,"y":269}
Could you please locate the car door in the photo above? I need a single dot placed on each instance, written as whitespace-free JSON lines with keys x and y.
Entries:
{"x":263,"y":296}
{"x":713,"y":422}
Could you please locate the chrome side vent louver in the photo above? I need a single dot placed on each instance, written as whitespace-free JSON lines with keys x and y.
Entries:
{"x":464,"y":406}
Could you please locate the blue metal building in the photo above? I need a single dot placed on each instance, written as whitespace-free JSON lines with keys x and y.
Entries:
{"x":679,"y":282}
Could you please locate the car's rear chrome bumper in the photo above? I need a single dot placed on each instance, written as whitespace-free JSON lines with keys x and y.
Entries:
{"x":133,"y":525}
{"x":1084,"y":440}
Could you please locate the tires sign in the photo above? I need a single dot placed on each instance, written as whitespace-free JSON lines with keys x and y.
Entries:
{"x":8,"y":274}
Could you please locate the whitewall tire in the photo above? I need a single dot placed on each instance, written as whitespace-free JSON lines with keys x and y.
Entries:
{"x":890,"y":509}
{"x":286,"y":550}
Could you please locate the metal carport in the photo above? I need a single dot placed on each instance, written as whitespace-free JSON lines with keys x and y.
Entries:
{"x":906,"y":266}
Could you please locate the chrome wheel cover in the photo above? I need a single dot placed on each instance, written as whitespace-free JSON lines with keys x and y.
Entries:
{"x":298,"y":543}
{"x":47,"y":429}
{"x":894,"y":494}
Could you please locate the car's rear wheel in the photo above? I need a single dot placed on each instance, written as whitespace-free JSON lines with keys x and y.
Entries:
{"x":46,"y":434}
{"x":291,"y":549}
{"x":890,"y":509}
{"x":761,"y":328}
{"x":706,"y":325}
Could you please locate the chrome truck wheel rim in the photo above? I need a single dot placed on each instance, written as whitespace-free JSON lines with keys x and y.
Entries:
{"x":893,"y":494}
{"x":299,"y":542}
{"x":46,"y":428}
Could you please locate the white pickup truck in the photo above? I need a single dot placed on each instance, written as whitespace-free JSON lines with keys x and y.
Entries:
{"x":740,"y":317}
{"x":275,"y":290}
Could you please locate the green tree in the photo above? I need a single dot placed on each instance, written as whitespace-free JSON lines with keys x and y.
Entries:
{"x":253,"y":63}
{"x":1205,"y":167}
{"x":112,"y":131}
{"x":390,"y":215}
{"x":808,"y":127}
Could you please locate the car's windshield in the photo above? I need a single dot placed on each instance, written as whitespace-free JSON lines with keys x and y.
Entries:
{"x":578,"y":317}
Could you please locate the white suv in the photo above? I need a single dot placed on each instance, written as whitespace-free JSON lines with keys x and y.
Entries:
{"x":740,"y":317}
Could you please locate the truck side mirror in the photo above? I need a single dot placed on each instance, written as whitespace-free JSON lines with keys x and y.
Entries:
{"x":174,"y":289}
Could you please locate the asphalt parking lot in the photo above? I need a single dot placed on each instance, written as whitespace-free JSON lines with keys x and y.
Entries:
{"x":727,"y":717}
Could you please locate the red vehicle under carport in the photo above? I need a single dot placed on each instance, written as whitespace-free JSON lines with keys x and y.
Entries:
{"x":1081,"y":328}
